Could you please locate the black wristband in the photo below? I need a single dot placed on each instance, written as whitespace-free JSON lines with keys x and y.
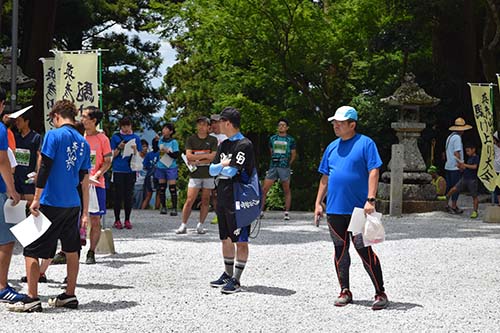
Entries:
{"x":371,"y":200}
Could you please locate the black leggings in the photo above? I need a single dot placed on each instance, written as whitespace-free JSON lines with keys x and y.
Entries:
{"x":338,"y":225}
{"x":124,"y":190}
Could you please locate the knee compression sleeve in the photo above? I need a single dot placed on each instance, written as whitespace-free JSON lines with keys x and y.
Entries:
{"x":163,"y":199}
{"x":173,"y":195}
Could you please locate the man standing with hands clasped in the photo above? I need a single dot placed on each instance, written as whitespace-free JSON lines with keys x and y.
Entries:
{"x":350,"y":173}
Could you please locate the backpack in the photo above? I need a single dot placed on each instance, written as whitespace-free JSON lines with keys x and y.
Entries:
{"x":248,"y":200}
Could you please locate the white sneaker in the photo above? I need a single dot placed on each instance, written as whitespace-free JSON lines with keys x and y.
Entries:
{"x":286,"y":217}
{"x":200,"y":229}
{"x":182,"y":229}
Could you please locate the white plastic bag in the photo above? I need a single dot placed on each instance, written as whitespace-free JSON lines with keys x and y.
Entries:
{"x":373,"y":231}
{"x":136,"y":162}
{"x":93,"y":202}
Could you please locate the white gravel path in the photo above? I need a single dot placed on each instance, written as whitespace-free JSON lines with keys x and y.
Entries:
{"x":442,"y":274}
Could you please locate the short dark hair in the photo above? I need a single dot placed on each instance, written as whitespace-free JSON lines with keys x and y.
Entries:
{"x":170,"y":126}
{"x":80,"y":128}
{"x":65,"y":109}
{"x":125,"y":121}
{"x":26,"y":116}
{"x":144,"y":142}
{"x":469,"y":145}
{"x":94,"y":113}
{"x":283,"y":120}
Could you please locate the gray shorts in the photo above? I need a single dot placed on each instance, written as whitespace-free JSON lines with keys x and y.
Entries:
{"x":6,"y":236}
{"x":283,"y":174}
{"x":208,"y":183}
{"x":468,"y":185}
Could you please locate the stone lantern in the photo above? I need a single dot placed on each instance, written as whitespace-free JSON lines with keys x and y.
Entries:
{"x":419,"y":195}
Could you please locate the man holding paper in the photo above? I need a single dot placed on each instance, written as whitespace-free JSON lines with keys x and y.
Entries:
{"x":350,"y":173}
{"x":65,"y":162}
{"x":7,"y":239}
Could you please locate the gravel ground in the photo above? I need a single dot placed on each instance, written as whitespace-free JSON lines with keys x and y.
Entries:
{"x":441,"y":271}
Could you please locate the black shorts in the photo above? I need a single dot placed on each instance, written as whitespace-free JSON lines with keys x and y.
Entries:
{"x":23,"y":188}
{"x":227,"y":226}
{"x":64,"y":227}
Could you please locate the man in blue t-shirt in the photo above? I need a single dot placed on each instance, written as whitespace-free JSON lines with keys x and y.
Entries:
{"x":65,"y":162}
{"x":350,"y":173}
{"x":7,"y":239}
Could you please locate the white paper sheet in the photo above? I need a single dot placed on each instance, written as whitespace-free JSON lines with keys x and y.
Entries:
{"x":127,"y":150}
{"x":358,"y":219}
{"x":14,"y":214}
{"x":192,"y":168}
{"x":167,"y":160}
{"x":16,"y":114}
{"x":30,"y":229}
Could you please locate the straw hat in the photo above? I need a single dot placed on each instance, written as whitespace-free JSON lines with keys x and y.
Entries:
{"x":460,"y":125}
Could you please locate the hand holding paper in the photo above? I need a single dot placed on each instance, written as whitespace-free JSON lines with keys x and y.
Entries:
{"x":128,"y":150}
{"x":14,"y":213}
{"x":30,"y":229}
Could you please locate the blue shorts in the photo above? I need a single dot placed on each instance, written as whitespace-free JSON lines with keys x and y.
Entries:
{"x":6,"y":236}
{"x":283,"y":174}
{"x":101,"y":199}
{"x":167,"y":173}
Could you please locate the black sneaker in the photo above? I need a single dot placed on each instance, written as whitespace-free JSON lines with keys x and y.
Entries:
{"x":59,"y":259}
{"x":173,"y":213}
{"x":233,"y":286}
{"x":90,"y":258}
{"x":221,"y":282}
{"x":64,"y":301}
{"x":27,"y":304}
{"x":41,"y":279}
{"x":163,"y":211}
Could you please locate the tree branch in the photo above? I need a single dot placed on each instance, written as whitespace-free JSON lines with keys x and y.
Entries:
{"x":496,"y":19}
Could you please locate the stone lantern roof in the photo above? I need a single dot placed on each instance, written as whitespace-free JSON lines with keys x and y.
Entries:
{"x":410,"y":94}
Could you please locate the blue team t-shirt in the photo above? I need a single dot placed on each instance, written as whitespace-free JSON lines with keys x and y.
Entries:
{"x":471,"y":174}
{"x":347,"y":164}
{"x":3,"y":146}
{"x":150,"y":160}
{"x":174,"y":146}
{"x":70,"y":153}
{"x":120,"y":163}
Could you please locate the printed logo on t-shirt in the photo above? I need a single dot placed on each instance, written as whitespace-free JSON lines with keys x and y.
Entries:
{"x":22,"y":156}
{"x":280,"y":147}
{"x":72,"y":152}
{"x":93,"y":154}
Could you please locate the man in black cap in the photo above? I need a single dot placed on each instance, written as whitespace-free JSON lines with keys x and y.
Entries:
{"x":200,"y":151}
{"x":233,"y":163}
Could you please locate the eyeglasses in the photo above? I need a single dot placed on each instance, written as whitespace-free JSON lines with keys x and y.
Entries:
{"x":282,"y":125}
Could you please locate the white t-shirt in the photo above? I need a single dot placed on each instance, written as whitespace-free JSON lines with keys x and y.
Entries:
{"x":220,"y":137}
{"x":453,"y":144}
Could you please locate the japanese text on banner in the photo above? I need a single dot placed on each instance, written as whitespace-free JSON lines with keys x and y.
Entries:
{"x":49,"y":89}
{"x":483,"y":114}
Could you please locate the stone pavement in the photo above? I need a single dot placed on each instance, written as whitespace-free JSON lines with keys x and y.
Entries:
{"x":442,"y":274}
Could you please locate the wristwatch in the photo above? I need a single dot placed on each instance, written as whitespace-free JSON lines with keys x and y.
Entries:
{"x":371,"y":200}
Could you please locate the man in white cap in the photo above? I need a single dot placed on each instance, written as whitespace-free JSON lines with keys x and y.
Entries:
{"x":454,"y":155}
{"x":350,"y":173}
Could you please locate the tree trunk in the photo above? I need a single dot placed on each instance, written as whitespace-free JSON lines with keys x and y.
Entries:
{"x":38,"y":31}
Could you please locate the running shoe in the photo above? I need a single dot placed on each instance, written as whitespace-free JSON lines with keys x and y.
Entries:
{"x":41,"y":279}
{"x":9,"y":295}
{"x":344,"y":298}
{"x":128,"y":225}
{"x":286,"y":217}
{"x":458,"y":210}
{"x":261,"y":216}
{"x":64,"y":301}
{"x":26,"y":304}
{"x":381,"y":301}
{"x":118,"y":225}
{"x":200,"y":230}
{"x":173,"y":213}
{"x":90,"y":258}
{"x":214,"y":220}
{"x":163,"y":211}
{"x":233,"y":286}
{"x":59,"y":259}
{"x":182,"y":229}
{"x":473,"y":215}
{"x":221,"y":282}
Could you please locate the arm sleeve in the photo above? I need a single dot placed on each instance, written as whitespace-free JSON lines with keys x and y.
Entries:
{"x":44,"y":172}
{"x":173,"y":154}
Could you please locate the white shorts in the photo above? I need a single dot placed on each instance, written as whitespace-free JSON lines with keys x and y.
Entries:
{"x":208,"y":183}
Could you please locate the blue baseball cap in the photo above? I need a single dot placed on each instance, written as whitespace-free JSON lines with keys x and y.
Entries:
{"x":344,"y":113}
